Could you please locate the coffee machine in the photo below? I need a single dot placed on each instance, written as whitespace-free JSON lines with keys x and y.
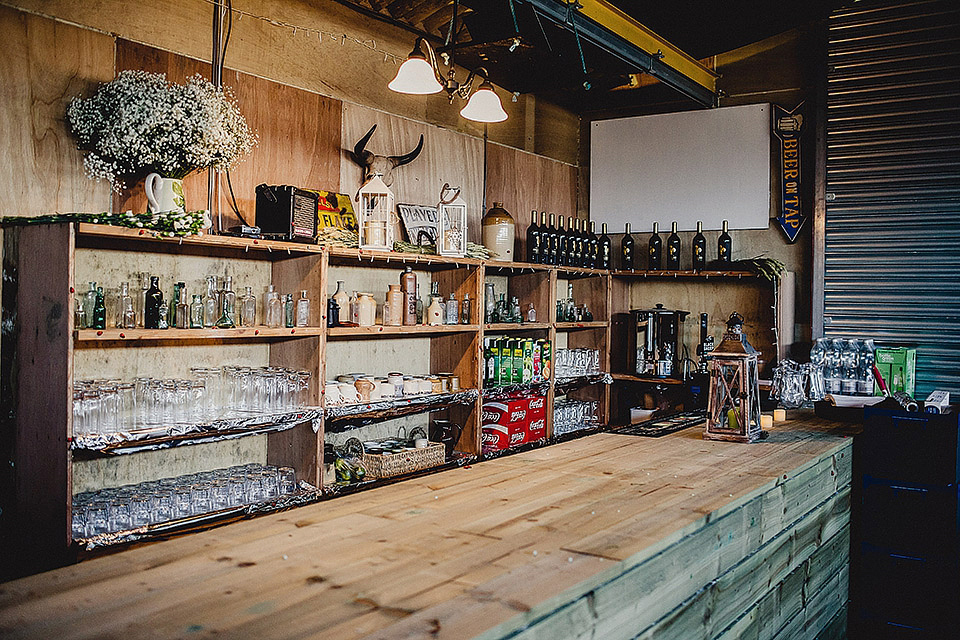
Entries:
{"x":658,"y":341}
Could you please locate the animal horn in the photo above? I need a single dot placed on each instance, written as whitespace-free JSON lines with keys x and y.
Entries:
{"x":358,"y":148}
{"x":408,"y":157}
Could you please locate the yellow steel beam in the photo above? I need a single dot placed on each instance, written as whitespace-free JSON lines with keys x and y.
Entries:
{"x":615,"y":20}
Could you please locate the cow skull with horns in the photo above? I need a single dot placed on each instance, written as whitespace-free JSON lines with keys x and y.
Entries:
{"x":384,"y":165}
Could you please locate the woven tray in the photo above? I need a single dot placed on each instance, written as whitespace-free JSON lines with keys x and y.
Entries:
{"x":380,"y":465}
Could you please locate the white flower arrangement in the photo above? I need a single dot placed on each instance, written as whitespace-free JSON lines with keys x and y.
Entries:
{"x":139,"y":123}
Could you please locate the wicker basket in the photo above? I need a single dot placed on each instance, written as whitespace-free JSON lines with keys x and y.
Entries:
{"x":380,"y":465}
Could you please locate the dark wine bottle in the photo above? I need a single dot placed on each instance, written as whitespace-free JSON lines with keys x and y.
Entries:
{"x":552,"y":241}
{"x":594,"y":245}
{"x":576,"y":236}
{"x":605,"y":248}
{"x":153,"y":304}
{"x":655,"y":250}
{"x":533,"y":240}
{"x":673,"y":249}
{"x":626,"y":250}
{"x":544,"y":239}
{"x":699,"y":249}
{"x":724,"y":245}
{"x":563,"y":243}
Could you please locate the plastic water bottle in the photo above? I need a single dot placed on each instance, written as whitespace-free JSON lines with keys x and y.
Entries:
{"x":849,"y":359}
{"x":832,"y":373}
{"x":818,"y":352}
{"x":865,"y":380}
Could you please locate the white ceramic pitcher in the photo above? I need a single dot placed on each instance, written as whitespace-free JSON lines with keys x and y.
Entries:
{"x":164,"y":194}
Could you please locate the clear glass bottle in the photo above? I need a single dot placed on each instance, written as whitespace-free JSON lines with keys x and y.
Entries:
{"x":196,"y":312}
{"x":273,"y":308}
{"x":80,"y":316}
{"x":531,"y":314}
{"x":489,"y":302}
{"x":99,"y":311}
{"x":210,"y":303}
{"x":248,"y":308}
{"x":162,"y":318}
{"x":465,"y":309}
{"x":141,"y":284}
{"x":865,"y":379}
{"x":515,"y":314}
{"x":126,"y":316}
{"x":289,"y":311}
{"x":452,"y":314}
{"x":89,"y":302}
{"x":183,"y":308}
{"x":228,"y":306}
{"x":303,"y":310}
{"x":849,"y":362}
{"x":154,"y":303}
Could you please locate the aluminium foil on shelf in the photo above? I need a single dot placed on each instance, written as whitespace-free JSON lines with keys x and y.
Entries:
{"x":306,"y":495}
{"x":579,"y":381}
{"x":165,"y":437}
{"x":395,"y":407}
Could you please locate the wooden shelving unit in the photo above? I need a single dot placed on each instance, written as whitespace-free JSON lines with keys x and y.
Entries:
{"x":43,"y":256}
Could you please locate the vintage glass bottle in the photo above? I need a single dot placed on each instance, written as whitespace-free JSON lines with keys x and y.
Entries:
{"x":699,"y":246}
{"x":126,"y":316}
{"x":303,"y":309}
{"x":289,"y":311}
{"x":626,"y":249}
{"x":228,"y":306}
{"x":196,"y":312}
{"x":248,"y":308}
{"x":655,"y":250}
{"x":465,"y":309}
{"x":725,"y":245}
{"x":89,"y":302}
{"x":273,"y":308}
{"x":210,"y":303}
{"x":408,"y":286}
{"x":99,"y":311}
{"x":452,"y":310}
{"x":154,"y":303}
{"x":174,"y":301}
{"x":183,"y":308}
{"x":673,"y":248}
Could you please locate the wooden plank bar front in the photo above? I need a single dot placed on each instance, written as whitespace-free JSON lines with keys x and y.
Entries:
{"x":610,"y":535}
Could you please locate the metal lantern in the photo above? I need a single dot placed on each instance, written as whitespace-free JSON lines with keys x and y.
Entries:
{"x":375,"y":215}
{"x":451,"y":224}
{"x":734,"y":404}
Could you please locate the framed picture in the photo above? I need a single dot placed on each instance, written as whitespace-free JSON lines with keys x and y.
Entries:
{"x":420,"y":223}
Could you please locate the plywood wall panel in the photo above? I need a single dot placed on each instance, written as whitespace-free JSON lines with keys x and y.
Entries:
{"x":447,"y":157}
{"x":299,"y":133}
{"x":524,"y":182}
{"x":44,"y":65}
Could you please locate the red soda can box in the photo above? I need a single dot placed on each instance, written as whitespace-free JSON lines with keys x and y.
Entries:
{"x":494,"y":437}
{"x":537,"y":407}
{"x":504,"y":412}
{"x":536,"y":428}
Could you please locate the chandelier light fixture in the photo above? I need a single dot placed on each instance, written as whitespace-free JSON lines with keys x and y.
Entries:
{"x":420,"y":75}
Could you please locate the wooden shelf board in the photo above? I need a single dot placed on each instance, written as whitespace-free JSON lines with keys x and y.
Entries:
{"x":573,"y":326}
{"x":512,"y":326}
{"x":221,"y":242}
{"x":687,"y":274}
{"x":628,"y":377}
{"x":498,"y":265}
{"x":381,"y":331}
{"x":340,"y":256}
{"x":199,"y":335}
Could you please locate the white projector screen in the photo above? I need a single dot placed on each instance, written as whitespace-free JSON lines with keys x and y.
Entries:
{"x":710,"y":165}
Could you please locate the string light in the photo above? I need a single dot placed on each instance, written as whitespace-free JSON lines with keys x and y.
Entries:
{"x":333,"y":36}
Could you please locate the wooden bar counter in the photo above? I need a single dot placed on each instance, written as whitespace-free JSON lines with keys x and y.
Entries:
{"x":610,"y":535}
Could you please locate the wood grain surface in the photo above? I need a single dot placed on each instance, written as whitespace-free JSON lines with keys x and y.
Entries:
{"x":299,"y":133}
{"x":44,"y":65}
{"x":516,"y":543}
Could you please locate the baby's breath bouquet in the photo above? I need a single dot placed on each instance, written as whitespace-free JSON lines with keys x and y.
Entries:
{"x":139,"y":123}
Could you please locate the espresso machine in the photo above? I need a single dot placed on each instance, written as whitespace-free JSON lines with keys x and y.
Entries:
{"x":659,"y":342}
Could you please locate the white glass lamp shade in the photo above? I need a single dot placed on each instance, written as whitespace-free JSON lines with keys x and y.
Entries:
{"x":415,"y":76}
{"x":484,"y":106}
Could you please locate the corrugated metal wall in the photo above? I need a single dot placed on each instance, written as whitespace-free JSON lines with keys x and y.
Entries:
{"x":892,"y":220}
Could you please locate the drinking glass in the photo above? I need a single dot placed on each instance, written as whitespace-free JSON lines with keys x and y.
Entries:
{"x":119,"y":514}
{"x":141,"y":510}
{"x":287,"y":479}
{"x":182,"y":501}
{"x":98,"y":518}
{"x":163,"y":507}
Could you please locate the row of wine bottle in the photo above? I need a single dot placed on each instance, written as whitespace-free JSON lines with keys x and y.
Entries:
{"x":575,"y":246}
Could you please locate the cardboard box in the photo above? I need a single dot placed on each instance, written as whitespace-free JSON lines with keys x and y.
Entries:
{"x":505,"y":411}
{"x":536,"y":429}
{"x":497,"y":437}
{"x":537,"y":408}
{"x":898,"y":366}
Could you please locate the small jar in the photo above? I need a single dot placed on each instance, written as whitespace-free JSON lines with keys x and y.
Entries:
{"x":394,"y":306}
{"x":366,"y":310}
{"x":436,"y":384}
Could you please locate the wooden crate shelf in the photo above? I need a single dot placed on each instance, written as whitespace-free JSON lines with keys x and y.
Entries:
{"x":193,"y":335}
{"x":380,"y":331}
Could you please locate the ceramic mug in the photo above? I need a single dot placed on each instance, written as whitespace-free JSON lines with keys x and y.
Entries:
{"x":164,"y":194}
{"x":364,"y":386}
{"x":348,"y":392}
{"x":331,"y":394}
{"x":377,"y":392}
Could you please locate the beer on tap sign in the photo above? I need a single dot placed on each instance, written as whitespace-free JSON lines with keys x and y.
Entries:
{"x":787,"y":126}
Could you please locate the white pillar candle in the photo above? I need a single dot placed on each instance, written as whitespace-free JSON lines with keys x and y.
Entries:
{"x":779,"y":415}
{"x":766,"y":421}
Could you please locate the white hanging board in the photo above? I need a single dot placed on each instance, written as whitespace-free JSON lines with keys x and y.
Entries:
{"x":710,"y":165}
